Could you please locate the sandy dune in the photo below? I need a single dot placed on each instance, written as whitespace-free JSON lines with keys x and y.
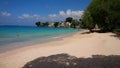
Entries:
{"x":79,"y":45}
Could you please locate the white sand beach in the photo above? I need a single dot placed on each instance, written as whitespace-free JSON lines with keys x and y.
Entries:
{"x":79,"y":45}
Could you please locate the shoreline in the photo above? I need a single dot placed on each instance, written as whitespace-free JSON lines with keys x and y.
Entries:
{"x":79,"y":45}
{"x":18,"y":45}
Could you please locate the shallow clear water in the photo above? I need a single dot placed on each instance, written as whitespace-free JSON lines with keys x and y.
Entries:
{"x":13,"y":34}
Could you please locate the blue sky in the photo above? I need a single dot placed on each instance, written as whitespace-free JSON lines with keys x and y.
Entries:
{"x":27,"y":12}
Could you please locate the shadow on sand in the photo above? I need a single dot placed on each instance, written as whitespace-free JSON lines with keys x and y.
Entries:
{"x":117,"y":34}
{"x":67,"y":61}
{"x":97,"y":31}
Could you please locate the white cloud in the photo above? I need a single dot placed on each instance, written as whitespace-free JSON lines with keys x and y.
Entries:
{"x":35,"y":15}
{"x":24,"y":16}
{"x":28,"y":16}
{"x":60,"y":16}
{"x":52,"y":15}
{"x":69,"y":13}
{"x":6,"y":14}
{"x":32,"y":18}
{"x":62,"y":13}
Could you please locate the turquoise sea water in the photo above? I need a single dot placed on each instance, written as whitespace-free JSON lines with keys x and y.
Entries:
{"x":20,"y":34}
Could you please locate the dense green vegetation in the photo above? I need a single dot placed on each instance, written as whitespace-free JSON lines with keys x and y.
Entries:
{"x":68,"y":23}
{"x":73,"y":22}
{"x":39,"y":24}
{"x":104,"y":13}
{"x":56,"y":24}
{"x":69,"y":19}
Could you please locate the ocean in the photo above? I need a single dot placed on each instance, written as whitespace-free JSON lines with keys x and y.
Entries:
{"x":18,"y":36}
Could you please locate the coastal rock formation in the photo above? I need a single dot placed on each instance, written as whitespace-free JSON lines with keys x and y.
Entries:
{"x":67,"y":61}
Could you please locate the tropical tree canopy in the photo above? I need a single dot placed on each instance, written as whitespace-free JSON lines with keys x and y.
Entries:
{"x":104,"y":13}
{"x":38,"y":24}
{"x":69,"y":19}
{"x":56,"y":24}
